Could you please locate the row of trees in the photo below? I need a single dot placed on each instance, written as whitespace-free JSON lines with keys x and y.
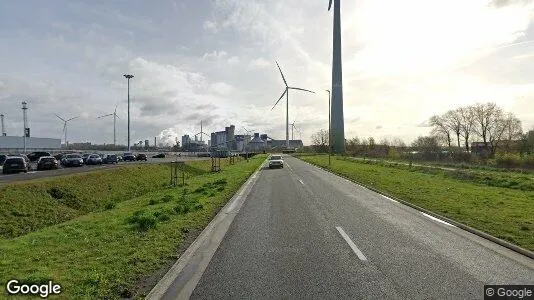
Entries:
{"x":487,"y":122}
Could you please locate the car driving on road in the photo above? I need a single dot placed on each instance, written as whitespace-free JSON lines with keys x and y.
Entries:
{"x":275,"y":161}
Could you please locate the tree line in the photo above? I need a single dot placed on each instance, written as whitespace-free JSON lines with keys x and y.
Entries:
{"x":486,"y":123}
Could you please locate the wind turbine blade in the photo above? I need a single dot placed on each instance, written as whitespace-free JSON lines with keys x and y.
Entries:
{"x":285,"y":82}
{"x":285,"y":91}
{"x":116,"y":108}
{"x":61,"y":118}
{"x":296,"y":88}
{"x":105,"y":116}
{"x":72,"y":119}
{"x":116,"y":116}
{"x":329,"y":4}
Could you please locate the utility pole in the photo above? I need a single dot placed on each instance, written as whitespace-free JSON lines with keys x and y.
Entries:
{"x":128,"y":77}
{"x":3,"y":126}
{"x":329,"y":131}
{"x":25,"y":121}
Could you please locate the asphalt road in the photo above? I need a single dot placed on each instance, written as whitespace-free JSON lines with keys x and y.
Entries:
{"x":7,"y":178}
{"x":303,"y":233}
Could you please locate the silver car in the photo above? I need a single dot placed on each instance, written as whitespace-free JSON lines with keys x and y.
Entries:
{"x":275,"y":161}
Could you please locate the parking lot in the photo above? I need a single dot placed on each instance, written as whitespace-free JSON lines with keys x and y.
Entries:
{"x":34,"y":174}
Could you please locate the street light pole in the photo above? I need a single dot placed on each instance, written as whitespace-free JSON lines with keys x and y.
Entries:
{"x":329,"y":130}
{"x":128,"y":76}
{"x":25,"y":120}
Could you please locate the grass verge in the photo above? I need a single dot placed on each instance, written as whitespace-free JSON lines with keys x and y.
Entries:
{"x":503,"y":212}
{"x":103,"y":254}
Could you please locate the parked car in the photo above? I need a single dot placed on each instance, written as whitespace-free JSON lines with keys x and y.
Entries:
{"x":14,"y":164}
{"x":275,"y":161}
{"x":59,"y":156}
{"x":47,"y":163}
{"x":27,"y":160}
{"x":93,"y":159}
{"x":141,"y":156}
{"x":34,"y":156}
{"x":2,"y":159}
{"x":119,"y":158}
{"x":128,"y":157}
{"x":85,"y":156}
{"x":110,"y":159}
{"x":159,"y":155}
{"x":71,"y":160}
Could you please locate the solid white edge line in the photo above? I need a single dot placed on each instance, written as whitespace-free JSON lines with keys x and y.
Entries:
{"x":390,"y":198}
{"x":437,"y":220}
{"x":351,"y":244}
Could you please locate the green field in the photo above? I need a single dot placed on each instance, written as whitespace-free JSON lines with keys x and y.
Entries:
{"x":113,"y":240}
{"x":498,"y":203}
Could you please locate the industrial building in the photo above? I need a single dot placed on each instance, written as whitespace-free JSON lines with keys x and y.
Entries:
{"x":193,"y":145}
{"x":15,"y":144}
{"x":224,"y":140}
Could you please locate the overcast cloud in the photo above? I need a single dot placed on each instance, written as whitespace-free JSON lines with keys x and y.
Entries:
{"x":215,"y":61}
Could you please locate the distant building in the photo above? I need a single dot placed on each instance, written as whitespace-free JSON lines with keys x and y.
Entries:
{"x":224,"y":139}
{"x":146,"y":144}
{"x":185,"y":140}
{"x":15,"y":144}
{"x":279,"y":144}
{"x":257,"y":144}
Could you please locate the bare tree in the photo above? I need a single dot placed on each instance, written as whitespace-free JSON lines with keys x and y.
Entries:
{"x":426,"y":144}
{"x":441,"y":129}
{"x":513,"y":130}
{"x":399,"y":143}
{"x":467,"y":121}
{"x":453,"y":120}
{"x":485,"y":117}
{"x":320,"y":140}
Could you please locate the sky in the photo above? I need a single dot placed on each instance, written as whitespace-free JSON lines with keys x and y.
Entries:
{"x":403,"y":61}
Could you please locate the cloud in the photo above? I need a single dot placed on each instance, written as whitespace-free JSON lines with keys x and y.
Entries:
{"x":221,"y":88}
{"x":259,"y":63}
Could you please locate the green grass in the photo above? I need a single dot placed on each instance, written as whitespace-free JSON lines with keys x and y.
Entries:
{"x":504,"y":212}
{"x":496,"y":178}
{"x":32,"y":205}
{"x":105,"y":253}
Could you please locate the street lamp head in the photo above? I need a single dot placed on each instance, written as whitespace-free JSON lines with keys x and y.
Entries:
{"x":128,"y":76}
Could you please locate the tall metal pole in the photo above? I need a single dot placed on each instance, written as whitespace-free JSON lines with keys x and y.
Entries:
{"x":287,"y":119}
{"x":128,"y":77}
{"x":337,"y":126}
{"x":65,"y":127}
{"x":25,"y":120}
{"x":329,"y":130}
{"x":115,"y":129}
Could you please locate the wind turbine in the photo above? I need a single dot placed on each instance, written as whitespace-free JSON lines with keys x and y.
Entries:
{"x":65,"y":127}
{"x":336,"y":109}
{"x":115,"y":116}
{"x":201,"y":133}
{"x":286,"y":93}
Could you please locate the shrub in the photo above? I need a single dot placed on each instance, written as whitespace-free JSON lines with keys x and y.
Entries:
{"x":109,"y":205}
{"x":142,"y":221}
{"x":507,"y":160}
